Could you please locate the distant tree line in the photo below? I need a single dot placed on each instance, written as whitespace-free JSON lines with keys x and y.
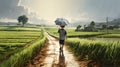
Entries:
{"x":92,"y":27}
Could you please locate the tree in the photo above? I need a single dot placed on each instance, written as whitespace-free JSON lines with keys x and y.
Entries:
{"x":111,"y":27}
{"x":92,"y":24}
{"x":78,"y":27}
{"x":22,"y":19}
{"x":104,"y":26}
{"x":116,"y":26}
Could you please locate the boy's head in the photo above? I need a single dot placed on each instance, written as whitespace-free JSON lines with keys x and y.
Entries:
{"x":62,"y":27}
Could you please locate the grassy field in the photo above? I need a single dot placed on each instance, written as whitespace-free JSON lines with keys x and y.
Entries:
{"x":99,"y":34}
{"x":17,"y":28}
{"x":72,"y":33}
{"x":110,"y":36}
{"x":101,"y":52}
{"x":115,"y":31}
{"x":14,"y":40}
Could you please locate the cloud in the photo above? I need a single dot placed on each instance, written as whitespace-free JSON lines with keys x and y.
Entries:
{"x":81,"y":10}
{"x":73,"y":10}
{"x":97,"y":9}
{"x":10,"y":9}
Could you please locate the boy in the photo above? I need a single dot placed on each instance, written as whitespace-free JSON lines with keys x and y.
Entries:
{"x":62,"y":35}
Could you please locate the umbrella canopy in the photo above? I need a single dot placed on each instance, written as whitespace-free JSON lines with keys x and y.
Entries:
{"x":61,"y":21}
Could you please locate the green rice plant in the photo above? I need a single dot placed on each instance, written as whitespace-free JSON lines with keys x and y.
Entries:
{"x":17,"y":28}
{"x":2,"y":49}
{"x":11,"y":44}
{"x":114,"y":31}
{"x":19,"y":34}
{"x":18,"y":59}
{"x":100,"y":51}
{"x":110,"y":36}
{"x":15,"y":40}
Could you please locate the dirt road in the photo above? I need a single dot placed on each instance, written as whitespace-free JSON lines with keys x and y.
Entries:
{"x":51,"y":56}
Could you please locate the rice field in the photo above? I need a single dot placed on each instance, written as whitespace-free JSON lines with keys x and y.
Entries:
{"x":17,"y":28}
{"x":14,"y":40}
{"x":110,"y":36}
{"x":72,"y":33}
{"x":100,"y":52}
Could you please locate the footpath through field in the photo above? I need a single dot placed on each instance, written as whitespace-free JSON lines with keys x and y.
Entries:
{"x":53,"y":57}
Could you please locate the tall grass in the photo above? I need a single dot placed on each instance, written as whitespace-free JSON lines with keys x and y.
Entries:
{"x":98,"y":51}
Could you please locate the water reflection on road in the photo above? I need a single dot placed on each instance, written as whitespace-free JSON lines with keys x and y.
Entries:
{"x":57,"y":58}
{"x":61,"y":59}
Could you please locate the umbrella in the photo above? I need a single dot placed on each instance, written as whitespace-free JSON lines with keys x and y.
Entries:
{"x":61,"y":21}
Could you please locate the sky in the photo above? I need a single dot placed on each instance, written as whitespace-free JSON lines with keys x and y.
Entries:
{"x":9,"y":9}
{"x":72,"y":10}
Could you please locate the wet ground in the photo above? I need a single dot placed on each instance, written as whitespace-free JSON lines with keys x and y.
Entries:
{"x":51,"y":56}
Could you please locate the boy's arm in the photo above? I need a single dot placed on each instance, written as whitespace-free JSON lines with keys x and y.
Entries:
{"x":65,"y":35}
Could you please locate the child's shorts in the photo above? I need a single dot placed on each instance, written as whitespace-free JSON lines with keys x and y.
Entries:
{"x":61,"y":42}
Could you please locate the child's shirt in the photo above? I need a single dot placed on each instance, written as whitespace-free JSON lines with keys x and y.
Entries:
{"x":62,"y":34}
